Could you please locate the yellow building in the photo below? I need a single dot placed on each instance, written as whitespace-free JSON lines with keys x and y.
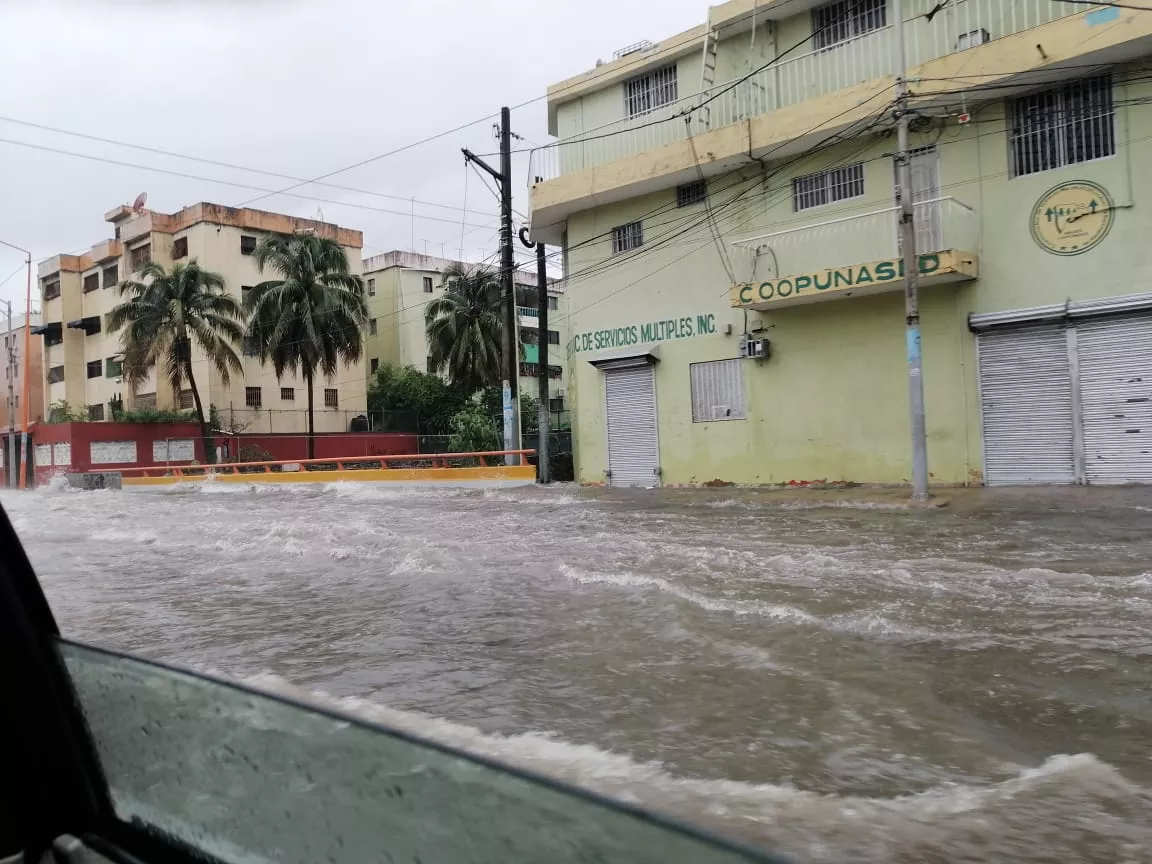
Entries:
{"x":82,"y":358}
{"x":725,"y":200}
{"x":399,"y":286}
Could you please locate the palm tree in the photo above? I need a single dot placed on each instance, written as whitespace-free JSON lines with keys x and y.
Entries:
{"x":464,"y":328}
{"x":312,"y":318}
{"x":164,"y":311}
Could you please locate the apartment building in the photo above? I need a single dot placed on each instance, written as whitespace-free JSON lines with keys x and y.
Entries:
{"x":725,"y":199}
{"x":399,"y":286}
{"x":11,"y":412}
{"x":83,"y":358}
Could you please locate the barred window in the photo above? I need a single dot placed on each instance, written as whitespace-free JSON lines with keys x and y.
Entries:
{"x":650,"y":91}
{"x":331,"y":397}
{"x":691,"y":193}
{"x":717,"y":391}
{"x":825,"y":187}
{"x":371,"y":287}
{"x":96,"y":413}
{"x":838,"y":22}
{"x":287,"y":394}
{"x":626,"y":237}
{"x":187,"y":401}
{"x":1063,"y":126}
{"x":139,"y":256}
{"x":252,"y":397}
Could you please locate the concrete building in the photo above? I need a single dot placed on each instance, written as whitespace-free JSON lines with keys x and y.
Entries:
{"x":83,"y":358}
{"x":725,"y":201}
{"x":400,"y":285}
{"x":12,"y":415}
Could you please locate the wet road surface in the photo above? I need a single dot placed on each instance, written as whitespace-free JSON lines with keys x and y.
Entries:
{"x":836,"y":679}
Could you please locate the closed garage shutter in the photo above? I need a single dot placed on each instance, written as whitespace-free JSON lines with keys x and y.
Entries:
{"x":631,"y":399}
{"x":1115,"y":357}
{"x":1026,"y":406}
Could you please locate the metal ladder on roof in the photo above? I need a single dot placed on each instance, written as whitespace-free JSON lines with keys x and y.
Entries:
{"x":707,"y":78}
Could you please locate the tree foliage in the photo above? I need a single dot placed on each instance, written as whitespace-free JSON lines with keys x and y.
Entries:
{"x":464,"y":328}
{"x":432,"y":399}
{"x":310,"y":319}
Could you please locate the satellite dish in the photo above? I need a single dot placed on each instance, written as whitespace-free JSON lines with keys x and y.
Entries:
{"x":140,"y":201}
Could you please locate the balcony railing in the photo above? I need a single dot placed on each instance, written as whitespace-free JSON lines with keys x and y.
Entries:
{"x":527,"y":312}
{"x":960,"y":25}
{"x":857,"y":238}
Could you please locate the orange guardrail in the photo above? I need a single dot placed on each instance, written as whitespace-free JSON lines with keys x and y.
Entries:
{"x":437,"y":460}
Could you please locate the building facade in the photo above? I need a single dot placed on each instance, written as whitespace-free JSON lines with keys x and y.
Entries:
{"x":725,"y":199}
{"x":11,"y":412}
{"x":83,"y":357}
{"x":399,"y":286}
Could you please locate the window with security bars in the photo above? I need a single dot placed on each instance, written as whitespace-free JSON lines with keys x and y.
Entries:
{"x":287,"y":394}
{"x":691,"y":193}
{"x":650,"y":91}
{"x":717,"y":391}
{"x":187,"y":401}
{"x":252,"y":397}
{"x":139,"y":256}
{"x":826,"y":187}
{"x":846,"y":19}
{"x":1063,"y":126}
{"x":331,"y":397}
{"x":96,"y":413}
{"x":626,"y":237}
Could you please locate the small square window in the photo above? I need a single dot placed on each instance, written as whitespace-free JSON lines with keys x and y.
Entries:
{"x":691,"y":193}
{"x":252,"y":397}
{"x":373,"y":364}
{"x":427,"y":284}
{"x":95,"y":368}
{"x":179,"y":248}
{"x":52,"y":289}
{"x":372,"y":327}
{"x":111,"y":276}
{"x":140,"y":256}
{"x":553,"y":303}
{"x":287,"y":394}
{"x":91,"y":282}
{"x":553,"y":337}
{"x":331,"y":397}
{"x":96,"y":413}
{"x":371,"y":287}
{"x":187,"y":402}
{"x":247,"y":244}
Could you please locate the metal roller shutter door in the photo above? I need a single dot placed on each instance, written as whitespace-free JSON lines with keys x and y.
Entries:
{"x":1026,"y":407}
{"x":632,"y":449}
{"x":1115,"y":358}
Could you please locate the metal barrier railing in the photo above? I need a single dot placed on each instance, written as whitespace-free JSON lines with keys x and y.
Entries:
{"x":352,"y":463}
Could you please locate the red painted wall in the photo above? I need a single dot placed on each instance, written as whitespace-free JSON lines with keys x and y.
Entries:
{"x":279,"y":447}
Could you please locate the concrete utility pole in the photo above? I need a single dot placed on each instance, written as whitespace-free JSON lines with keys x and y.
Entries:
{"x":905,"y":202}
{"x":510,"y":349}
{"x":543,"y":469}
{"x":10,"y":441}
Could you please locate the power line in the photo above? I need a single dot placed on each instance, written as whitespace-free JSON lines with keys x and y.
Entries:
{"x":221,"y":164}
{"x":1107,"y":4}
{"x":202,"y":179}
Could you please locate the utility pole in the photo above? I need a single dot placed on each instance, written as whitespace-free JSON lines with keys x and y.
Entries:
{"x":27,"y":388}
{"x":543,"y":469}
{"x":510,"y":349}
{"x":904,"y":200}
{"x":10,"y":441}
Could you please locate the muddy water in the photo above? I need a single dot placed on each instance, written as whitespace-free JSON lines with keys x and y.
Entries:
{"x":824,"y":676}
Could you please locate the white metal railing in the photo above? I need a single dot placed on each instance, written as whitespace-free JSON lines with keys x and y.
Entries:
{"x":958,"y":26}
{"x":527,"y":312}
{"x":855,"y":238}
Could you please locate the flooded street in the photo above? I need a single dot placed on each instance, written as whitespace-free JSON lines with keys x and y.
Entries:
{"x":856,"y":682}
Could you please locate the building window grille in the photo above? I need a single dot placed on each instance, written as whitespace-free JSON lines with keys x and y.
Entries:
{"x":718,"y":391}
{"x":247,"y":244}
{"x":287,"y":394}
{"x":427,"y":284}
{"x":825,"y":187}
{"x":846,"y":19}
{"x":331,"y":397}
{"x":626,"y":237}
{"x":187,"y":401}
{"x":91,"y":282}
{"x":252,"y":397}
{"x":1064,"y":126}
{"x":179,"y":248}
{"x":691,"y":193}
{"x":139,"y":256}
{"x":650,"y":91}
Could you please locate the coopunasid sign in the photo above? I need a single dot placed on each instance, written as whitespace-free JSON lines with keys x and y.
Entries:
{"x":840,"y":280}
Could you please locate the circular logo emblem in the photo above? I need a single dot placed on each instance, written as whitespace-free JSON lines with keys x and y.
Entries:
{"x":1073,"y":217}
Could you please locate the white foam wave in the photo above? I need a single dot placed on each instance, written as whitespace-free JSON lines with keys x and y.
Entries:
{"x":818,"y":827}
{"x":713,"y":604}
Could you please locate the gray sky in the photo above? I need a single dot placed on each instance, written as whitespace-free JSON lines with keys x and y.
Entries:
{"x":297,"y":88}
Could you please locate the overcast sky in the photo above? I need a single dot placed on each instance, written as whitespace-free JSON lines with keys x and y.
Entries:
{"x":294,"y":87}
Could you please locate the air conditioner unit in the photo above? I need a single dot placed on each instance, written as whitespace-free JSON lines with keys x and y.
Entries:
{"x":755,"y":349}
{"x":561,"y":393}
{"x":972,"y":38}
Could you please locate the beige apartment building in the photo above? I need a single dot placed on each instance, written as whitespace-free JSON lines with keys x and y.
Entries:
{"x":399,"y":285}
{"x":11,"y":412}
{"x":82,"y":358}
